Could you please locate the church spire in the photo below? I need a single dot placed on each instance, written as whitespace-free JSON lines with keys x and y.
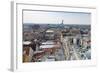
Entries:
{"x":62,"y":22}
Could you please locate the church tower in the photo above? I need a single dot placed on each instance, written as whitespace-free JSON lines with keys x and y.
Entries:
{"x":62,"y":22}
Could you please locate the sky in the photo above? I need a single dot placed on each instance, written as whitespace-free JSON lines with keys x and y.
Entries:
{"x":48,"y":17}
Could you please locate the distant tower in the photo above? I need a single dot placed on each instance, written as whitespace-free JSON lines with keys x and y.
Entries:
{"x":62,"y":22}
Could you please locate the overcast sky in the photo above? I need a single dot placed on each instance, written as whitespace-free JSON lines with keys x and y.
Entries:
{"x":56,"y":17}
